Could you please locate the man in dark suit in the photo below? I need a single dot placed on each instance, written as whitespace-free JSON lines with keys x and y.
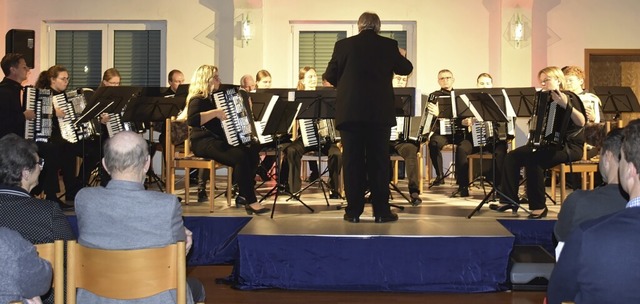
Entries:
{"x":600,"y":261}
{"x":361,"y":68}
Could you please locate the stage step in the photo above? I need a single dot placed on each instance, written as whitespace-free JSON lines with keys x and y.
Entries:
{"x":436,"y":255}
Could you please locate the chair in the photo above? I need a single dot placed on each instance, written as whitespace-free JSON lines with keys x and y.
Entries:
{"x":126,"y":274}
{"x":188,"y":161}
{"x":586,"y":167}
{"x":54,"y":254}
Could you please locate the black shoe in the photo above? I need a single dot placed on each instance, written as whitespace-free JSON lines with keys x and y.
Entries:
{"x":391,"y":217}
{"x":202,"y":196}
{"x":240,"y":201}
{"x":352,"y":219}
{"x":503,"y":207}
{"x":539,"y":216}
{"x":415,"y":199}
{"x":438,"y":181}
{"x":313,"y":176}
{"x":461,"y":192}
{"x":334,"y":195}
{"x":250,"y":209}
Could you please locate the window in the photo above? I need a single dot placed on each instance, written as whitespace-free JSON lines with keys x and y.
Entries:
{"x":313,"y":42}
{"x":137,"y":50}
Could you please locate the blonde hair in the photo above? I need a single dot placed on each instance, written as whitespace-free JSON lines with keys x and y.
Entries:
{"x":199,"y":86}
{"x":556,"y":72}
{"x":303,"y":71}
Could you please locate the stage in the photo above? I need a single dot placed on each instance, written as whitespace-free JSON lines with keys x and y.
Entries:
{"x":433,"y":247}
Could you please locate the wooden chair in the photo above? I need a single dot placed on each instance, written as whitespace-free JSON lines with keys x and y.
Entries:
{"x":54,"y":254}
{"x":126,"y":274}
{"x":586,"y":167}
{"x":189,"y":161}
{"x":485,"y":155}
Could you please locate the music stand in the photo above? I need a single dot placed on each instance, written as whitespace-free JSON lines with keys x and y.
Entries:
{"x":316,"y":105}
{"x":446,"y":108}
{"x":617,"y":100}
{"x":278,"y":124}
{"x":522,"y":100}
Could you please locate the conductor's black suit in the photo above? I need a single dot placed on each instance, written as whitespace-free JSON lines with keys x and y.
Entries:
{"x":362,"y":68}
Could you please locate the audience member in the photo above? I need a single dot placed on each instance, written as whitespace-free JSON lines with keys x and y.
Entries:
{"x":600,"y":261}
{"x":583,"y":205}
{"x":38,"y":221}
{"x":126,"y":216}
{"x":23,"y":276}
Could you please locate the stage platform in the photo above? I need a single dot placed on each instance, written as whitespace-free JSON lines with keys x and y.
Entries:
{"x":433,"y":247}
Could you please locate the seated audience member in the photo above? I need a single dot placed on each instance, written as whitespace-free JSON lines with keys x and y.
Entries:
{"x":585,"y":205}
{"x":38,"y":221}
{"x":126,"y":216}
{"x":23,"y":275}
{"x":600,"y":261}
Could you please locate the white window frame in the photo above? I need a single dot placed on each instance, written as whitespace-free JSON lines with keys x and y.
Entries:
{"x":108,"y":28}
{"x":351,"y":28}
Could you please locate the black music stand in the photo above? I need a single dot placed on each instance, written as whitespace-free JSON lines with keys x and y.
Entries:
{"x":617,"y":100}
{"x":447,"y":110}
{"x":317,"y":105}
{"x":278,"y":125}
{"x":522,"y":100}
{"x":106,"y":100}
{"x":149,"y":109}
{"x":260,"y":103}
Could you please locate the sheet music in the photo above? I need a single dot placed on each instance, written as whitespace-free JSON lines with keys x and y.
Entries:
{"x":452,"y":95}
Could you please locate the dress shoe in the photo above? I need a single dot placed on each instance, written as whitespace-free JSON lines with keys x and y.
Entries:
{"x":250,"y":210}
{"x":503,"y":207}
{"x":391,"y":217}
{"x":415,"y":199}
{"x":313,"y":176}
{"x":202,"y":196}
{"x":438,"y":181}
{"x":240,"y":200}
{"x":461,"y":192}
{"x":334,"y":195}
{"x":538,"y":216}
{"x":352,"y":219}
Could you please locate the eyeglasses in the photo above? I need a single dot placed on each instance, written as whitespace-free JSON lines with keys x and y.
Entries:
{"x":546,"y":80}
{"x":445,"y":78}
{"x":113,"y":83}
{"x":41,"y":163}
{"x":64,"y":78}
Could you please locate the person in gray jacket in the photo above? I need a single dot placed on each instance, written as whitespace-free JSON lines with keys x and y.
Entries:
{"x":124,"y":215}
{"x":23,"y":275}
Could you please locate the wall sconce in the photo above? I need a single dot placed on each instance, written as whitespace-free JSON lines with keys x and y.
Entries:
{"x":245,"y":30}
{"x":518,"y":32}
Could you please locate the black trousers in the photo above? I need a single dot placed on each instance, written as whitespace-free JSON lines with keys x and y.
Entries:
{"x":244,"y":161}
{"x":59,"y":156}
{"x":294,"y":153}
{"x":409,"y":152}
{"x":436,"y":143}
{"x":366,"y":158}
{"x":534,"y":162}
{"x":466,"y":148}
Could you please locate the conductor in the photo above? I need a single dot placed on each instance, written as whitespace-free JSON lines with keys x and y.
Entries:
{"x":365,"y":113}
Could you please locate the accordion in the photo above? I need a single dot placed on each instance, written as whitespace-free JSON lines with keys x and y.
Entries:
{"x":38,"y":100}
{"x":549,"y":123}
{"x":72,"y":103}
{"x":322,"y":133}
{"x":115,"y":125}
{"x":238,"y":125}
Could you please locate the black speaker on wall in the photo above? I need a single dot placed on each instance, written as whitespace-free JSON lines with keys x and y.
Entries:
{"x":23,"y":42}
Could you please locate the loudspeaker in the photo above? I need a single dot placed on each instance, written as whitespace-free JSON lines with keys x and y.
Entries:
{"x":23,"y":42}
